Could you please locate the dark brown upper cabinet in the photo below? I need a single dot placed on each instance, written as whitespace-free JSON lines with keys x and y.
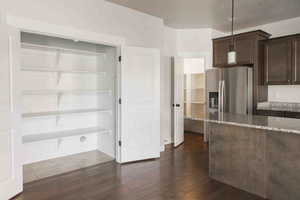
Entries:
{"x":221,"y":48}
{"x":278,"y":61}
{"x":282,"y":60}
{"x":296,"y":61}
{"x":246,"y":46}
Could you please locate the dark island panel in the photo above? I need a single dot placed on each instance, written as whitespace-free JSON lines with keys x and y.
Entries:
{"x":237,"y":157}
{"x":283,"y":164}
{"x":260,"y":161}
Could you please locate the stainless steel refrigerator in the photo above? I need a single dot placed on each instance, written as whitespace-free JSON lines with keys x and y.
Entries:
{"x":230,"y":90}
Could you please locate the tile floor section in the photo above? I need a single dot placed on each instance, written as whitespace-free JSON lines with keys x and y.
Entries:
{"x":57,"y":166}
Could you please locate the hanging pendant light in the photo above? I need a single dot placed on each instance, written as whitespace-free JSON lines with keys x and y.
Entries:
{"x":231,"y":57}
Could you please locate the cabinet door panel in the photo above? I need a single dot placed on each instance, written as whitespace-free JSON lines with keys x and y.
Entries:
{"x":221,"y":48}
{"x":296,"y":61}
{"x":278,"y":54}
{"x":245,"y":49}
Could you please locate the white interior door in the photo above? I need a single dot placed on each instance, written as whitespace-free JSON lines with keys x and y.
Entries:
{"x":178,"y":105}
{"x":140,"y":107}
{"x":11,"y":181}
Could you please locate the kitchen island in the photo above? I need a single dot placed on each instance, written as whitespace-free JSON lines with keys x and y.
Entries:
{"x":257,"y":154}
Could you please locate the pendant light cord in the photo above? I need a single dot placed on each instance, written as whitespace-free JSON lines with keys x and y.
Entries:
{"x":232,"y":23}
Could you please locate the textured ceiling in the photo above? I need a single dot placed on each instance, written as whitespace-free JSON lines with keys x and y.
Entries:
{"x":215,"y":13}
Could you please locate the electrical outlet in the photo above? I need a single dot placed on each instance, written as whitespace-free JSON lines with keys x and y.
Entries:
{"x":166,"y":141}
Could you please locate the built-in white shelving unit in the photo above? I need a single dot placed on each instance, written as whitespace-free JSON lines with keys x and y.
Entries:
{"x":57,"y":70}
{"x":60,"y":49}
{"x":194,"y":94}
{"x":65,"y":92}
{"x":195,"y":102}
{"x":68,"y":93}
{"x":63,"y":134}
{"x":66,"y":112}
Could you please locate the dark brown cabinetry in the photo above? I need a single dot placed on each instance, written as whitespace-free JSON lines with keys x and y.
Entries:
{"x":281,"y":60}
{"x":245,"y":48}
{"x":245,"y":45}
{"x":273,"y":113}
{"x":221,"y":48}
{"x":278,"y":61}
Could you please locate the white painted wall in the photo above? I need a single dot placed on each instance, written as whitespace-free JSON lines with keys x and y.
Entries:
{"x":194,"y":40}
{"x":170,"y":42}
{"x":98,"y":16}
{"x":277,"y":29}
{"x":284,"y":93}
{"x":197,"y":43}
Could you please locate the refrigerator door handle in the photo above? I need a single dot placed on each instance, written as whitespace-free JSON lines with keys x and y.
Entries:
{"x":223,"y":95}
{"x":220,"y":97}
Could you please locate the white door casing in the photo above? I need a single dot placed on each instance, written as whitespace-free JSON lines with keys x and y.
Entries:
{"x":140,"y":107}
{"x":178,"y":101}
{"x":11,"y":178}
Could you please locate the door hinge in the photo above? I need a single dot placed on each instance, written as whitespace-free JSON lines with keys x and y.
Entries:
{"x":120,"y":101}
{"x":120,"y":143}
{"x":120,"y":58}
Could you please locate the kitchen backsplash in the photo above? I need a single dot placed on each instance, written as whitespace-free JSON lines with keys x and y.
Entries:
{"x":284,"y":93}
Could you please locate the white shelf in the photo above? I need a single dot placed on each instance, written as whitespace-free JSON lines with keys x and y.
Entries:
{"x":57,"y":70}
{"x":64,"y":92}
{"x":62,"y":134}
{"x":66,"y":112}
{"x":195,"y":102}
{"x":194,"y":88}
{"x":53,"y":48}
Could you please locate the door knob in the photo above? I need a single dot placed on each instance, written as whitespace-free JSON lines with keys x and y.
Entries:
{"x":177,"y":105}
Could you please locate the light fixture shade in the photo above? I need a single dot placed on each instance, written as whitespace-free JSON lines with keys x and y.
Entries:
{"x":231,"y":57}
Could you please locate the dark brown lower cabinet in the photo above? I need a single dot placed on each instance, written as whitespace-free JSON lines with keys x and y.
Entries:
{"x":292,"y":115}
{"x":270,"y":113}
{"x":273,"y":113}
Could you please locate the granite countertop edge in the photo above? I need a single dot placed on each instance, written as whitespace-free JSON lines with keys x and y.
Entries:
{"x":248,"y":125}
{"x":279,"y":106}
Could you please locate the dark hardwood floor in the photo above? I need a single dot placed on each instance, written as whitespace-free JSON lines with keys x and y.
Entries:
{"x":180,"y":173}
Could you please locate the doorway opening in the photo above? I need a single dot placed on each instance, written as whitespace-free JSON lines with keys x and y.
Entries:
{"x":188,"y":97}
{"x":194,"y":94}
{"x":69,"y":112}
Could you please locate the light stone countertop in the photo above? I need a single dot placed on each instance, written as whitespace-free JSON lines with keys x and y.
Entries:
{"x":279,"y":106}
{"x":287,"y":125}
